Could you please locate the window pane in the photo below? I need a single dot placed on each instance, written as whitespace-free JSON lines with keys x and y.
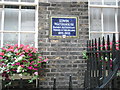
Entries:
{"x":118,"y":2}
{"x":27,"y":0}
{"x":95,"y":19}
{"x":11,"y":19}
{"x":10,"y":38}
{"x":28,"y":20}
{"x":110,"y":2}
{"x":98,"y":2}
{"x":109,"y":19}
{"x":29,"y":38}
{"x":95,"y":35}
{"x":12,"y":0}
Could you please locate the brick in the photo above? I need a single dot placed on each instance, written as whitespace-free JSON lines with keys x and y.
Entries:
{"x":44,"y":4}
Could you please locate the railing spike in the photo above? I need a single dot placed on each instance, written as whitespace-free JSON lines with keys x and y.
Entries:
{"x":92,"y":44}
{"x":95,"y":44}
{"x":119,"y":42}
{"x":70,"y":82}
{"x":87,"y":45}
{"x":54,"y":84}
{"x":99,"y":43}
{"x":103,"y":43}
{"x":114,"y":39}
{"x":108,"y":42}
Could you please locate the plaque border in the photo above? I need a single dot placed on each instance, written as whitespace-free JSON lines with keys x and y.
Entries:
{"x":77,"y":27}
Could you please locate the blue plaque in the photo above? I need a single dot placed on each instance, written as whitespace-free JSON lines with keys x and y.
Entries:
{"x":64,"y":26}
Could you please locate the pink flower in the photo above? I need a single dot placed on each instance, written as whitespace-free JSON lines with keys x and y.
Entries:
{"x":117,"y":48}
{"x":40,"y":57}
{"x":31,"y":62}
{"x":21,"y":45}
{"x":39,"y":61}
{"x":45,"y":60}
{"x":16,"y":50}
{"x":16,"y":45}
{"x":13,"y":70}
{"x":22,"y":66}
{"x":1,"y":57}
{"x":9,"y":50}
{"x":101,"y":45}
{"x":30,"y":54}
{"x":110,"y":43}
{"x":24,"y":61}
{"x":35,"y":65}
{"x":30,"y":67}
{"x":17,"y":63}
{"x":34,"y":50}
{"x":31,"y":58}
{"x":22,"y":55}
{"x":36,"y":73}
{"x":35,"y":69}
{"x":1,"y":53}
{"x":3,"y":49}
{"x":5,"y":65}
{"x":13,"y":64}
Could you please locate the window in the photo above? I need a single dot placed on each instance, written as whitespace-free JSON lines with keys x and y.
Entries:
{"x":103,"y":18}
{"x":18,"y":23}
{"x":95,"y":19}
{"x":27,"y":19}
{"x":11,"y":18}
{"x":95,"y":2}
{"x":27,"y":0}
{"x":110,"y":2}
{"x":118,"y":19}
{"x":109,"y":19}
{"x":12,"y":0}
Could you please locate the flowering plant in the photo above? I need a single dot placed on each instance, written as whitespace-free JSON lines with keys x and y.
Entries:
{"x":23,"y":59}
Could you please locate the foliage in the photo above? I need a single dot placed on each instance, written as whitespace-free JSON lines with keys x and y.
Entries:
{"x":23,"y":60}
{"x":84,"y":53}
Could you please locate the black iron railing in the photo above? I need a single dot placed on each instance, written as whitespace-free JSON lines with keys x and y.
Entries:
{"x":103,"y":63}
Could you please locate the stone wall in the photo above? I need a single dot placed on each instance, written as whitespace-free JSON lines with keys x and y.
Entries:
{"x":65,"y":54}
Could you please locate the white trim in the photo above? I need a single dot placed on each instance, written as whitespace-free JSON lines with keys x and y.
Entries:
{"x":116,"y":2}
{"x":102,"y":25}
{"x":89,"y":18}
{"x":18,"y":3}
{"x":36,"y":26}
{"x":102,"y":2}
{"x":2,"y":27}
{"x":103,"y":6}
{"x":18,"y":31}
{"x":103,"y":32}
{"x":116,"y":22}
{"x":19,"y":23}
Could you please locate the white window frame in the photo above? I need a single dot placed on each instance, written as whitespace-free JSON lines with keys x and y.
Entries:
{"x":3,"y":3}
{"x":102,"y":25}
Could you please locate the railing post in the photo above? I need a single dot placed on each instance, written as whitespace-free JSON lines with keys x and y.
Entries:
{"x":21,"y":83}
{"x":99,"y":63}
{"x":96,"y":63}
{"x":113,"y":57}
{"x":90,"y":64}
{"x":70,"y":82}
{"x":54,"y":84}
